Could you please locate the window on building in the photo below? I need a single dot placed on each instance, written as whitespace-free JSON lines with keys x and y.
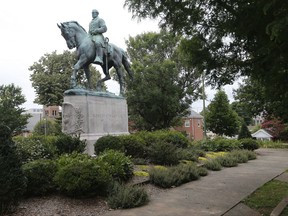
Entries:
{"x":54,"y":112}
{"x":199,"y":123}
{"x":187,"y":123}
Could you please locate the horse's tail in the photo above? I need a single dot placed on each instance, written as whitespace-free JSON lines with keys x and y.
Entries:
{"x":126,"y":64}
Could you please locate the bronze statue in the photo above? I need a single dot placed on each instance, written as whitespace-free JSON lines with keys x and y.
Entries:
{"x":76,"y":37}
{"x":96,"y":29}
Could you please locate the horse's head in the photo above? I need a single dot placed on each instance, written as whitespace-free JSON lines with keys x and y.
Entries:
{"x":68,"y":32}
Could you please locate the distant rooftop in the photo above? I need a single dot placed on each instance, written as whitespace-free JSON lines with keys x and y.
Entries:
{"x":194,"y":114}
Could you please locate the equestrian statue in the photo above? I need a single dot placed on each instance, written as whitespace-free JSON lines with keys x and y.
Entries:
{"x":93,"y":48}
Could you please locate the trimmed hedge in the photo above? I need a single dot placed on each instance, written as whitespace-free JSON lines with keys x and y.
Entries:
{"x":108,"y":142}
{"x":218,"y":144}
{"x":249,"y":144}
{"x":67,"y":144}
{"x":163,"y":153}
{"x":119,"y":166}
{"x":172,"y":137}
{"x":134,"y":146}
{"x":39,"y":174}
{"x":79,"y":175}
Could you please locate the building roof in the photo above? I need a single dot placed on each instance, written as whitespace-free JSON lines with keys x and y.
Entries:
{"x":262,"y":134}
{"x":194,"y":115}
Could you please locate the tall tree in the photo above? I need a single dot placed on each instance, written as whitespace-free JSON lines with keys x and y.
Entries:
{"x":51,"y":77}
{"x":220,"y":118}
{"x":235,"y":37}
{"x":244,"y":132}
{"x":255,"y":99}
{"x":160,"y":93}
{"x":12,"y":118}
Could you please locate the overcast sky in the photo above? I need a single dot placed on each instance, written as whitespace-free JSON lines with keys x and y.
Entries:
{"x":29,"y":30}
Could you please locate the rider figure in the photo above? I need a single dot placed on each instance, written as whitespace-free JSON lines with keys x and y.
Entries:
{"x":96,"y":27}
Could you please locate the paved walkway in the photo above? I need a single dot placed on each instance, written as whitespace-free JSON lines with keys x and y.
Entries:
{"x":219,"y":193}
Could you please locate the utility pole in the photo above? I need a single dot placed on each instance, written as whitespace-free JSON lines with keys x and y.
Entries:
{"x":203,"y":96}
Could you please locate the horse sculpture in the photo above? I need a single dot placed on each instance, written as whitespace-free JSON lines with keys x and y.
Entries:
{"x":77,"y":37}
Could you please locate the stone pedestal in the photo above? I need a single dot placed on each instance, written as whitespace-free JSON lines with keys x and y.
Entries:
{"x":94,"y":115}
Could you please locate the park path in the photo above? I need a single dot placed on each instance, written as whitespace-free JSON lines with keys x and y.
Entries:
{"x":219,"y":193}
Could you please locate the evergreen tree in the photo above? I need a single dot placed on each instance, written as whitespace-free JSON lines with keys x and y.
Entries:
{"x":244,"y":132}
{"x":12,"y":179}
{"x":220,"y":118}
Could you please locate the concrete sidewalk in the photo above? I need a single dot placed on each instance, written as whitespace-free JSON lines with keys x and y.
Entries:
{"x":219,"y":193}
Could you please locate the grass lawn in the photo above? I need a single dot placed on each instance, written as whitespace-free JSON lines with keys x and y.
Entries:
{"x":266,"y":198}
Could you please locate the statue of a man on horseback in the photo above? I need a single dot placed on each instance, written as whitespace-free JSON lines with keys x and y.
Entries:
{"x":96,"y":29}
{"x":92,"y":48}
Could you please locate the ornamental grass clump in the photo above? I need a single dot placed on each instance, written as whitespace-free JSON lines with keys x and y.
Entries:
{"x":240,"y":156}
{"x":250,"y":154}
{"x":126,"y":196}
{"x":212,"y":164}
{"x":227,"y":161}
{"x":174,"y":176}
{"x":202,"y":171}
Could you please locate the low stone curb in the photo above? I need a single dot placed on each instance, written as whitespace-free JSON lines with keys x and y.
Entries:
{"x":280,"y":207}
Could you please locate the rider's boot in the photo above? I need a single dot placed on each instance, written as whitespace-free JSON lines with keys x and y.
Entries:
{"x":99,"y":55}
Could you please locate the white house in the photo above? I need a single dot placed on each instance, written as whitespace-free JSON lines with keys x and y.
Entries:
{"x":262,"y":135}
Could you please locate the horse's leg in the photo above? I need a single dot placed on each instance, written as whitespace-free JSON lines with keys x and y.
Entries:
{"x":73,"y":76}
{"x":126,"y":65}
{"x":80,"y":63}
{"x":121,"y":81}
{"x":88,"y":76}
{"x":107,"y":77}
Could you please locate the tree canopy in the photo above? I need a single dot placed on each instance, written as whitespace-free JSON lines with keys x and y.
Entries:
{"x":220,"y":118}
{"x":161,"y":92}
{"x":12,"y":118}
{"x":51,"y":77}
{"x":231,"y":38}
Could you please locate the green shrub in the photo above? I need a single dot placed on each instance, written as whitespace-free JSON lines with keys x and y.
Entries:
{"x":212,"y":164}
{"x":127,"y":196}
{"x":108,"y":142}
{"x":227,"y":161}
{"x":47,"y":127}
{"x":240,"y":156}
{"x":134,"y":146}
{"x":163,"y":153}
{"x":39,"y":174}
{"x":188,"y":154}
{"x":244,"y":132}
{"x":173,"y":176}
{"x":79,"y":175}
{"x":68,"y":144}
{"x":272,"y":144}
{"x":35,"y":147}
{"x":249,"y":144}
{"x":219,"y":144}
{"x":250,"y":154}
{"x":119,"y":165}
{"x":12,"y":179}
{"x":172,"y":137}
{"x":202,"y":171}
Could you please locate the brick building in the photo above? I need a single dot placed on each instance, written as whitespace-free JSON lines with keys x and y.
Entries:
{"x":192,"y":126}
